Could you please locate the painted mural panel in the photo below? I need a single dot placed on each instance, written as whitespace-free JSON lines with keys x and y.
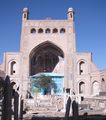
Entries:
{"x":56,"y":89}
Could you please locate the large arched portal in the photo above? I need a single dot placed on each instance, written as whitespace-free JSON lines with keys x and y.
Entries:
{"x":44,"y":58}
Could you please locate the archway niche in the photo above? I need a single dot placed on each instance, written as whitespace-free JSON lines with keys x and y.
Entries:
{"x":95,"y":88}
{"x":13,"y":68}
{"x":44,"y":58}
{"x":81,"y":87}
{"x":103,"y":85}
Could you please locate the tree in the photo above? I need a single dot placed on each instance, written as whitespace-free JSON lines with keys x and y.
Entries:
{"x":1,"y":88}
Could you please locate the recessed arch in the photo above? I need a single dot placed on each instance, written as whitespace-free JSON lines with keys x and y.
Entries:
{"x":12,"y":67}
{"x":55,"y":30}
{"x":95,"y":87}
{"x":81,"y":87}
{"x":44,"y":57}
{"x":103,"y":85}
{"x":40,"y":30}
{"x":33,"y":30}
{"x":62,"y":30}
{"x":47,"y":30}
{"x":82,"y":67}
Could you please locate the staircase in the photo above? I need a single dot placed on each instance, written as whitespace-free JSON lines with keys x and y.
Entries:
{"x":45,"y":105}
{"x":41,"y":104}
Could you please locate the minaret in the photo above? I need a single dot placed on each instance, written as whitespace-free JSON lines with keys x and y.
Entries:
{"x":71,"y":50}
{"x":71,"y":31}
{"x":25,"y":14}
{"x":70,"y":14}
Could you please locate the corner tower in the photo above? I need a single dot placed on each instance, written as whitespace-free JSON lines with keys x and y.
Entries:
{"x":70,"y":14}
{"x":71,"y":30}
{"x":70,"y":53}
{"x":25,"y":14}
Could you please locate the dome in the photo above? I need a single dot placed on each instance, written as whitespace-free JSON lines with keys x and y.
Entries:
{"x":25,"y":10}
{"x":70,"y":10}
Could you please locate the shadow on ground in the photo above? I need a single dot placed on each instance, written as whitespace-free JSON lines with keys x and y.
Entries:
{"x":84,"y":117}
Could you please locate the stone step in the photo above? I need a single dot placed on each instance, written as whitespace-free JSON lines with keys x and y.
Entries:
{"x":44,"y":100}
{"x":40,"y":109}
{"x":43,"y":104}
{"x":44,"y":109}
